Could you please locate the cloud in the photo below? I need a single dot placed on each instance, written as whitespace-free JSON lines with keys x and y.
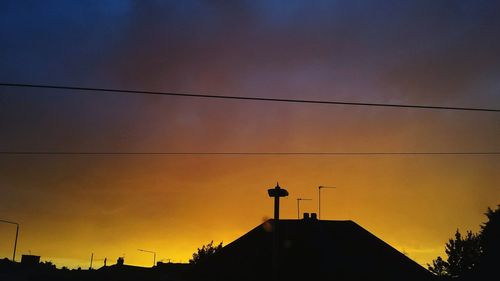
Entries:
{"x":429,"y":52}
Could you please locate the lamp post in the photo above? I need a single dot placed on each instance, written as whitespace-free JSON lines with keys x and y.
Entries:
{"x":319,"y":198}
{"x":91,"y":260}
{"x":298,"y":205}
{"x":151,"y":252}
{"x":17,"y":234}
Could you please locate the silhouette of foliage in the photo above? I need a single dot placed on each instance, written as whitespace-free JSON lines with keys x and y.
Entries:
{"x":490,"y":232}
{"x":205,"y":251}
{"x":472,"y":255}
{"x":47,"y":264}
{"x":490,"y":243}
{"x":463,"y":255}
{"x":439,"y":267}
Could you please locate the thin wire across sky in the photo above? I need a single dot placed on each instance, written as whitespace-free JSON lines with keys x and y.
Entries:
{"x":246,"y":153}
{"x":90,"y":153}
{"x":243,"y":98}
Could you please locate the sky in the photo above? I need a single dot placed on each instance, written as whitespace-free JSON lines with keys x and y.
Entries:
{"x":442,"y":53}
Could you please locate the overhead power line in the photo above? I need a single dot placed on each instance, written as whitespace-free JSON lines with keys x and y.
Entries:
{"x":76,"y":153}
{"x":263,"y":99}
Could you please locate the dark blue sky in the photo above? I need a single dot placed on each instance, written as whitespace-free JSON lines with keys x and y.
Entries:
{"x":427,"y":52}
{"x":168,"y":44}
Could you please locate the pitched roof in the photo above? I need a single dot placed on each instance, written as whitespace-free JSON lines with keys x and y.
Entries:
{"x":329,"y":250}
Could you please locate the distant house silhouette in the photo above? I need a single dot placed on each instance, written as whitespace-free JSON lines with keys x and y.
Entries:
{"x":121,"y":271}
{"x":310,"y":249}
{"x":30,"y":260}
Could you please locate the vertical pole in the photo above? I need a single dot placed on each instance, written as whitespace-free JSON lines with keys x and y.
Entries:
{"x":275,"y":251}
{"x":319,"y":202}
{"x":276,"y":237}
{"x":154,"y":259}
{"x":276,"y":192}
{"x":91,"y":260}
{"x":298,"y":209}
{"x":276,"y":208}
{"x":15,"y":243}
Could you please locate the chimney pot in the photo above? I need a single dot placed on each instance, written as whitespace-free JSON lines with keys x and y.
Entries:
{"x":306,"y":216}
{"x":314,"y":216}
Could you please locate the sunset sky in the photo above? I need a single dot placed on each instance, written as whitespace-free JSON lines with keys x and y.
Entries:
{"x":442,"y":53}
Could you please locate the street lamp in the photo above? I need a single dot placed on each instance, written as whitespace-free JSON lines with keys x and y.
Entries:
{"x":15,"y":241}
{"x":319,"y":198}
{"x":151,"y":252}
{"x":298,"y":205}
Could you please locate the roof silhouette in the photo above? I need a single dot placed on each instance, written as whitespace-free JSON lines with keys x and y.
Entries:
{"x":310,"y":249}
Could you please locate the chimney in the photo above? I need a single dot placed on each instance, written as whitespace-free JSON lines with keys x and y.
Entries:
{"x":306,"y":216}
{"x":30,"y":260}
{"x":314,"y":216}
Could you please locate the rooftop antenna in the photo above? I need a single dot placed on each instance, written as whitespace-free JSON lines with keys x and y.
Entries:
{"x":298,"y":205}
{"x":319,"y":198}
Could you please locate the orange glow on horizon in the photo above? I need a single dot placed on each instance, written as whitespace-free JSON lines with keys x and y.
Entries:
{"x":411,"y":52}
{"x":173,"y":211}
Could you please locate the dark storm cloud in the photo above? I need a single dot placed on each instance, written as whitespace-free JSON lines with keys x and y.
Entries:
{"x":57,"y":41}
{"x":424,"y":51}
{"x":407,"y":50}
{"x":180,"y":44}
{"x":427,"y":52}
{"x":453,"y":56}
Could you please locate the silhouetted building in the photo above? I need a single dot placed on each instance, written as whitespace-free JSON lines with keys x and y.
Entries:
{"x":310,"y":249}
{"x":160,"y":272}
{"x":30,"y":260}
{"x":174,"y":271}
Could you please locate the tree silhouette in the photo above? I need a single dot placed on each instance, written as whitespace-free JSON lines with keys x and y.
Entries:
{"x":439,"y":267}
{"x":463,"y":255}
{"x":205,"y":251}
{"x":490,"y":243}
{"x":472,"y":256}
